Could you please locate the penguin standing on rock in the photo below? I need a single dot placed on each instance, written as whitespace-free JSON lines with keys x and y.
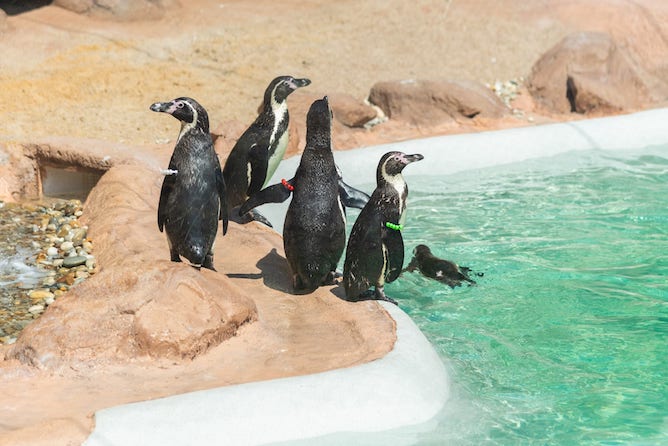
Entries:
{"x":259,"y":150}
{"x":375,"y":253}
{"x":314,"y":233}
{"x":192,"y":198}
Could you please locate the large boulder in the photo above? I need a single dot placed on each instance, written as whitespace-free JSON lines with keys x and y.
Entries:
{"x":119,"y":9}
{"x":140,"y":305}
{"x":428,"y":102}
{"x":588,"y":72}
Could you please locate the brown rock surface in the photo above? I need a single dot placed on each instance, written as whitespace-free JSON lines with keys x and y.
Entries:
{"x":588,"y":72}
{"x":425,"y":103}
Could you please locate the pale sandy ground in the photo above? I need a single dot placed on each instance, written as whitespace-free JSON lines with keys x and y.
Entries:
{"x":66,"y":75}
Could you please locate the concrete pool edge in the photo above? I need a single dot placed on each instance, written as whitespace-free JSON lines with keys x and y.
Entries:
{"x":406,"y":387}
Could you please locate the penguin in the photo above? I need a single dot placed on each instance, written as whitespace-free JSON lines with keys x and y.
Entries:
{"x":192,"y":197}
{"x":375,"y":252}
{"x":314,"y":232}
{"x":257,"y":153}
{"x":442,"y":270}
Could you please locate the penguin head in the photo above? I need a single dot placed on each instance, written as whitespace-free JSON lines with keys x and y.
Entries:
{"x":392,"y":163}
{"x":186,"y":110}
{"x":319,"y":125}
{"x":421,"y":251}
{"x":281,"y":87}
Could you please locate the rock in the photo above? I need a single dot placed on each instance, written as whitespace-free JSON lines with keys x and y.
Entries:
{"x":71,"y":262}
{"x":36,"y":309}
{"x":349,"y":111}
{"x":425,"y":103}
{"x":52,"y":251}
{"x":40,"y":294}
{"x":124,"y":10}
{"x":64,"y":230}
{"x":66,"y":246}
{"x":588,"y":72}
{"x":78,"y":236}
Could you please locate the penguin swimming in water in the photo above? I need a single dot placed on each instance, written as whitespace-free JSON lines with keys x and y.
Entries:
{"x":314,"y":233}
{"x":192,"y":198}
{"x":257,"y":153}
{"x":375,"y":253}
{"x":442,"y":270}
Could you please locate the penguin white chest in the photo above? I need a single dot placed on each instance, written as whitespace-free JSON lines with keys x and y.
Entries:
{"x":399,"y":185}
{"x":276,"y":157}
{"x":280,"y":111}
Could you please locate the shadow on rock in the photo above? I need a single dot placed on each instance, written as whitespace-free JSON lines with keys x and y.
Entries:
{"x":275,"y":272}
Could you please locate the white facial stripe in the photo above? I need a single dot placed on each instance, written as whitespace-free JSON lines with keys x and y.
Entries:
{"x":249,"y":173}
{"x":188,"y":126}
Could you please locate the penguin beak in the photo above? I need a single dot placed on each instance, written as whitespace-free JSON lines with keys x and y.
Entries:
{"x":412,"y":158}
{"x":298,"y":83}
{"x":161,"y":107}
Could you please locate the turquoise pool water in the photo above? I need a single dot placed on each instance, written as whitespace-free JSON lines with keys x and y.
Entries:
{"x":565,"y":338}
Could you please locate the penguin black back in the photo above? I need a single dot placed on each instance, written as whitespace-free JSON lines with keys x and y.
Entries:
{"x":314,"y":229}
{"x":192,"y":197}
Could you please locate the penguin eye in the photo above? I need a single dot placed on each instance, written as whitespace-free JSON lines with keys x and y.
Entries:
{"x":179,"y":105}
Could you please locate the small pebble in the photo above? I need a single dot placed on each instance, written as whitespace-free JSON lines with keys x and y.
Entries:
{"x":52,"y":251}
{"x":78,"y":236}
{"x":40,"y":294}
{"x":66,"y":246}
{"x":36,"y":309}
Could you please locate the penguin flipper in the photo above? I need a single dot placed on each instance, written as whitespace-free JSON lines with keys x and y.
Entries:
{"x":165,"y":191}
{"x":220,"y":188}
{"x":412,"y":266}
{"x":351,"y":197}
{"x":364,"y":264}
{"x":394,"y":243}
{"x":276,"y":193}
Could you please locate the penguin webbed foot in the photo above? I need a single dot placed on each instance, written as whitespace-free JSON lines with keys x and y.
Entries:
{"x":331,"y":278}
{"x":377,"y":294}
{"x":299,"y":286}
{"x":174,"y":256}
{"x":208,"y":262}
{"x":380,"y":295}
